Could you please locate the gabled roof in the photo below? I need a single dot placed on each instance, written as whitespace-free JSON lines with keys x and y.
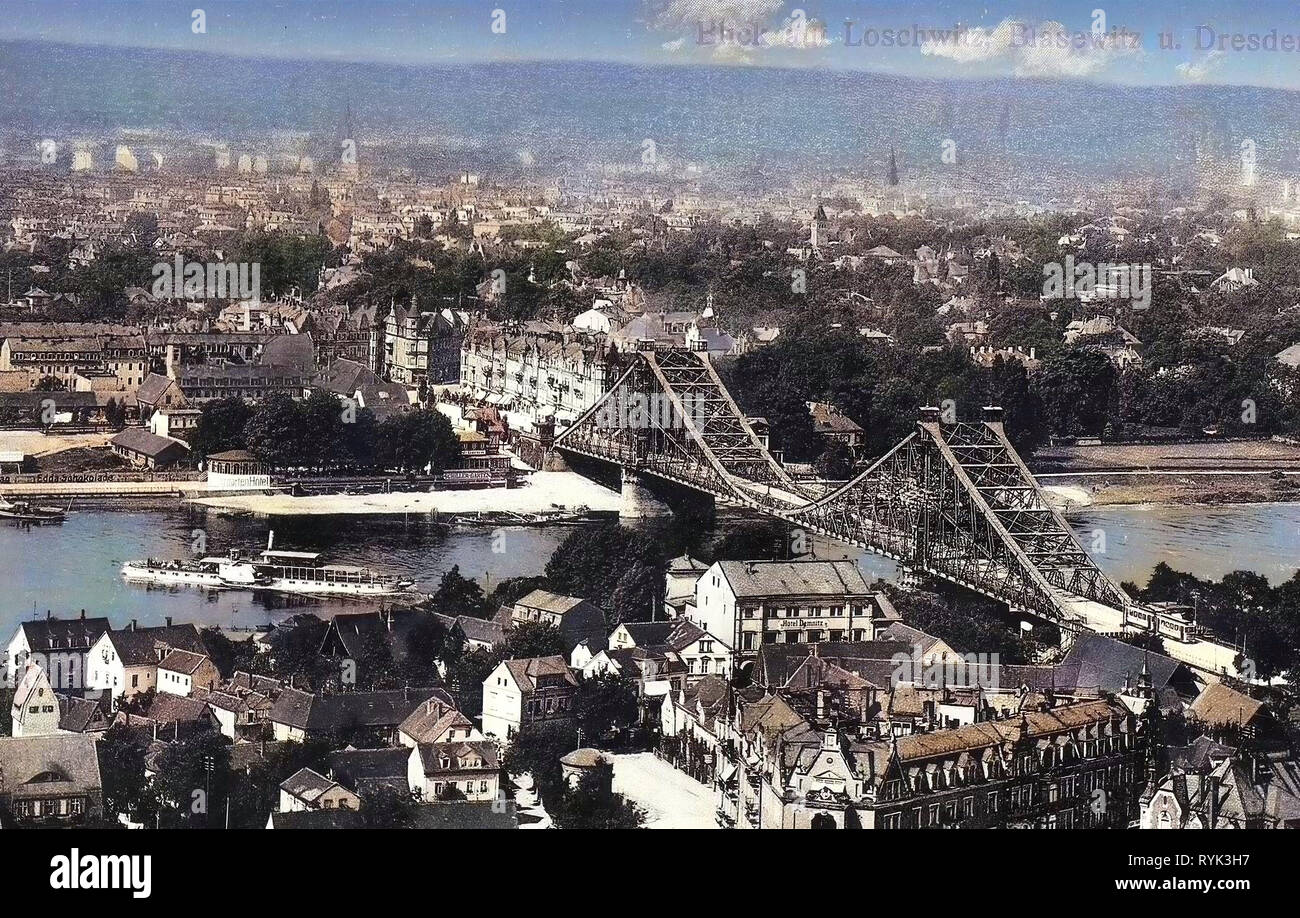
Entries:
{"x":1111,"y":665}
{"x":183,"y":661}
{"x":323,"y":713}
{"x":307,"y":785}
{"x":528,"y":670}
{"x":754,"y":579}
{"x":54,"y":634}
{"x":1220,"y":706}
{"x":364,"y":771}
{"x":462,"y":755}
{"x":153,"y":387}
{"x":39,"y":765}
{"x":434,"y":717}
{"x":139,"y":646}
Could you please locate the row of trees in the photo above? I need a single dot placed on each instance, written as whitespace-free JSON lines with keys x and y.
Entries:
{"x":325,"y":433}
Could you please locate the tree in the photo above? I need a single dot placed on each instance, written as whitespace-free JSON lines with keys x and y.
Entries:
{"x":276,"y":431}
{"x":459,"y":595}
{"x":121,"y":766}
{"x":1077,"y":388}
{"x":593,"y":805}
{"x":115,"y":414}
{"x":836,"y":463}
{"x":192,"y":782}
{"x":532,"y":639}
{"x":226,"y":655}
{"x":604,"y":703}
{"x":606,"y":563}
{"x":536,"y":751}
{"x":220,"y":427}
{"x":387,"y":808}
{"x":412,"y":440}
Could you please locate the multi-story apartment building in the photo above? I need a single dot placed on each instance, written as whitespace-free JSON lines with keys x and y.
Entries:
{"x":423,"y":346}
{"x":545,"y":374}
{"x":1070,"y":766}
{"x":751,"y":603}
{"x":68,"y":349}
{"x":202,"y":382}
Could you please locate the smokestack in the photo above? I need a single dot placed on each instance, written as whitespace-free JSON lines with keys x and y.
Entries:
{"x":168,"y":620}
{"x":83,"y":615}
{"x":132,"y":624}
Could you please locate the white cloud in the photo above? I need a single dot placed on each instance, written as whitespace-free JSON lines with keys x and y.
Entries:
{"x":1042,"y":49}
{"x":1201,"y":70}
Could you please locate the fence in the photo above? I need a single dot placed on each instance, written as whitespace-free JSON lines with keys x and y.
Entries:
{"x":100,"y":477}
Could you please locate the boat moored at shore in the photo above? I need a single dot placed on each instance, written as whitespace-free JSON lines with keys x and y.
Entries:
{"x":272,"y":570}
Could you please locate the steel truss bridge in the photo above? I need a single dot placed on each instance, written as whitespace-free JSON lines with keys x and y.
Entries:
{"x":952,"y":499}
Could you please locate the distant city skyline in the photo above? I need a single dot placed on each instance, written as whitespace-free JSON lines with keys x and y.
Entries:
{"x":1016,"y":39}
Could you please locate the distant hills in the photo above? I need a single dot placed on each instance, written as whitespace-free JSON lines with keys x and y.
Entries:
{"x":740,"y":120}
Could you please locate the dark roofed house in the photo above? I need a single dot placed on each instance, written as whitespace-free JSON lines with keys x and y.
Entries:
{"x":157,"y":393}
{"x":309,"y":790}
{"x":348,"y":635}
{"x":1220,"y":705}
{"x":577,"y":619}
{"x":58,"y":644}
{"x":296,"y":715}
{"x":81,"y":715}
{"x":51,"y":778}
{"x":147,"y":450}
{"x":365,"y":771}
{"x":470,"y":768}
{"x":1100,"y":662}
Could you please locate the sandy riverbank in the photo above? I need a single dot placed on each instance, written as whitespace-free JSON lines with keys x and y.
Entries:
{"x":541,"y":493}
{"x":1073,"y":492}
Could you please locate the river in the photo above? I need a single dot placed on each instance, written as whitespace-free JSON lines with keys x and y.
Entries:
{"x":77,"y":565}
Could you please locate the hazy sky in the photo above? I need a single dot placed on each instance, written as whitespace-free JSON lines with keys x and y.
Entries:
{"x":999,"y":39}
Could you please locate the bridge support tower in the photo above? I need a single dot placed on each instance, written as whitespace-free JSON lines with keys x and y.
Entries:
{"x":639,"y":502}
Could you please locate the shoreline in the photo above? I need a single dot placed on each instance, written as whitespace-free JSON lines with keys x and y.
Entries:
{"x":1175,"y":488}
{"x":543,"y":493}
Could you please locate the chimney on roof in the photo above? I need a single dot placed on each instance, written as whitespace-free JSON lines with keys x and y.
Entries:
{"x":83,"y":615}
{"x":48,"y":615}
{"x":132,"y":624}
{"x":168,"y":620}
